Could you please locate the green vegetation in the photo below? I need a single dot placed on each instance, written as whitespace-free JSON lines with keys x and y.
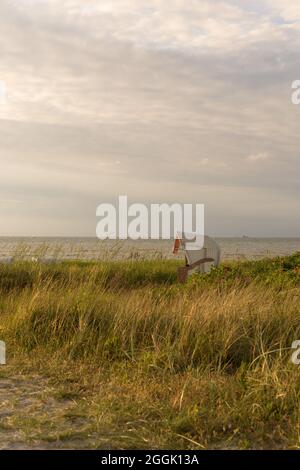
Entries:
{"x":147,"y":362}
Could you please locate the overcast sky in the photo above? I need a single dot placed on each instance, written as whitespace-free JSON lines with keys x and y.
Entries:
{"x":162,"y":100}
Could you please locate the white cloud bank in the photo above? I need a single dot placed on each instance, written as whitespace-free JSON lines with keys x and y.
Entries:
{"x":161,"y":100}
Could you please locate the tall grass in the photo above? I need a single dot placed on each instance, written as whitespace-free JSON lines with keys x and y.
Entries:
{"x":234,"y":327}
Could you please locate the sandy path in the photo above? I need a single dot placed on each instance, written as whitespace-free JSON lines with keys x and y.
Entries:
{"x":32,"y":417}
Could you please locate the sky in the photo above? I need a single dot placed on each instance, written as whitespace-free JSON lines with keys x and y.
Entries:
{"x":160,"y":100}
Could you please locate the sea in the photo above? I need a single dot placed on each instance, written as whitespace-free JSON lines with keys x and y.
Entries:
{"x":93,"y":249}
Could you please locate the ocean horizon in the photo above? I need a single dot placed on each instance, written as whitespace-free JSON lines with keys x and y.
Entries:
{"x":89,"y":248}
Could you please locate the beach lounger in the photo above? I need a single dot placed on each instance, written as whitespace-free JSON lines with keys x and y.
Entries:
{"x":198,"y":259}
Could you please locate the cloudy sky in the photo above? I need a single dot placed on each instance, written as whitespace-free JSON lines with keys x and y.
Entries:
{"x":162,"y":100}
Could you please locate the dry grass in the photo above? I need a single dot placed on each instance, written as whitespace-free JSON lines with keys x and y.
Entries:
{"x":156,"y":364}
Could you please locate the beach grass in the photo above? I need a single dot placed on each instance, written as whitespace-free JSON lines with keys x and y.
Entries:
{"x":151,"y":363}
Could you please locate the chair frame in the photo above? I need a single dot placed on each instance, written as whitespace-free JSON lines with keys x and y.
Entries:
{"x":183,"y":271}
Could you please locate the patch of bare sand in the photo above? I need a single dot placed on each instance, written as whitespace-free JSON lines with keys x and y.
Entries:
{"x":33,"y":417}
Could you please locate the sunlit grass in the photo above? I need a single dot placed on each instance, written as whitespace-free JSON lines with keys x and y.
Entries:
{"x":205,"y":364}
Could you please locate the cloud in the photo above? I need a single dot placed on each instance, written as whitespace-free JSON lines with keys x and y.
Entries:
{"x":257,"y":157}
{"x":288,"y":10}
{"x":152,"y":99}
{"x":2,"y":93}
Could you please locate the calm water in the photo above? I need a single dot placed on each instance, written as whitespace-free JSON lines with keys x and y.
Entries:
{"x":89,"y":248}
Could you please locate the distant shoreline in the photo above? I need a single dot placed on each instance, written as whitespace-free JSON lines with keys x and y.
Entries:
{"x":76,"y":248}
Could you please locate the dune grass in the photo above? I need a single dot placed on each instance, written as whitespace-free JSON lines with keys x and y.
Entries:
{"x":159,"y":364}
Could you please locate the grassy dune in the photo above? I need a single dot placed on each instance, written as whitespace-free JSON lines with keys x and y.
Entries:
{"x":152,"y":363}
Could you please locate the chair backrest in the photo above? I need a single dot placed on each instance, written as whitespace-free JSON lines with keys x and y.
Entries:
{"x":208,"y":248}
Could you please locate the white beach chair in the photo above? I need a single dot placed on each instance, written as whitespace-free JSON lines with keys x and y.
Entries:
{"x":199,"y":259}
